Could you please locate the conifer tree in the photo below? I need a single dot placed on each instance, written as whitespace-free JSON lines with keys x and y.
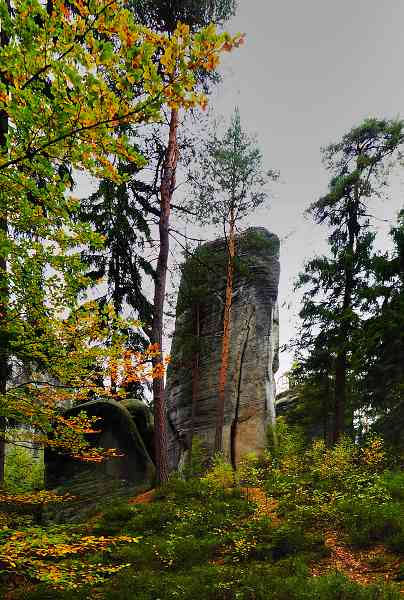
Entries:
{"x":380,"y":360}
{"x":337,"y":285}
{"x":228,"y":183}
{"x":164,"y":18}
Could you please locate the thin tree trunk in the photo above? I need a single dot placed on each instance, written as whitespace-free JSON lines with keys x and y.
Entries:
{"x":340,"y":395}
{"x":224,"y":360}
{"x":326,"y":409}
{"x":166,"y":191}
{"x":4,"y":350}
{"x":341,"y":362}
{"x":195,"y":379}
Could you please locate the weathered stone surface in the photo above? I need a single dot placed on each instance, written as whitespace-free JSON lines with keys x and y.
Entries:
{"x":118,"y":429}
{"x":253,"y":360}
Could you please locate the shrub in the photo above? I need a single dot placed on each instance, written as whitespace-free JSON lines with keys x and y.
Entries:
{"x":44,"y":592}
{"x":367,"y":523}
{"x":221,"y":474}
{"x":291,"y":539}
{"x":114,"y":519}
{"x":395,"y":542}
{"x":337,"y":587}
{"x":196,"y":463}
{"x":394,"y":483}
{"x":196,"y":582}
{"x":141,"y":555}
{"x":180,"y":552}
{"x":22,"y":473}
{"x":221,"y":513}
{"x":373,"y":454}
{"x":179,"y":490}
{"x":252,"y":469}
{"x":285,"y":441}
{"x":333,"y":467}
{"x":148,"y":518}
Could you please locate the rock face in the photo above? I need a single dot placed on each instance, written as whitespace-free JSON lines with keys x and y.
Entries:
{"x":193,"y":376}
{"x":121,"y":427}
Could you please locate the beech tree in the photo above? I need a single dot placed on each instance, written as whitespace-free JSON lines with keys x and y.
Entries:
{"x":71,"y":76}
{"x":227,"y":183}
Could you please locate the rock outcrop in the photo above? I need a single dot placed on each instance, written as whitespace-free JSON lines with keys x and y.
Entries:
{"x":192,"y":379}
{"x":119,"y":426}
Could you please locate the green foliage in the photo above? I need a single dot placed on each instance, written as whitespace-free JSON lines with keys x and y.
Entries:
{"x":262,"y":540}
{"x":195,"y":465}
{"x":291,"y":539}
{"x":57,"y":555}
{"x":251,"y":469}
{"x":227,"y":179}
{"x":394,"y":483}
{"x":164,"y":16}
{"x":200,"y":539}
{"x":350,"y":339}
{"x":220,"y":474}
{"x":178,"y":489}
{"x":336,"y":586}
{"x":177,"y":551}
{"x":285,"y":441}
{"x":75,"y":78}
{"x":257,"y":582}
{"x":23,"y":473}
{"x":316,"y":485}
{"x":116,"y":213}
{"x":370,"y":523}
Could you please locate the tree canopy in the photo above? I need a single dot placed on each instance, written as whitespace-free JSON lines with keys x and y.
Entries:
{"x":74,"y":74}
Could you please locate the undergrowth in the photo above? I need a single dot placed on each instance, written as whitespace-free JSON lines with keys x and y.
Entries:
{"x":206,"y":537}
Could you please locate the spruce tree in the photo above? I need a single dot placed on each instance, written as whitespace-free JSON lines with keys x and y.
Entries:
{"x":381,"y":352}
{"x":337,"y":285}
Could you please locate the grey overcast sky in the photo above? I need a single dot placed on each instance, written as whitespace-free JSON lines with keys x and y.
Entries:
{"x":307,"y":73}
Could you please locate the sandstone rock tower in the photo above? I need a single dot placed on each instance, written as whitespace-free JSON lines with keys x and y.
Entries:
{"x":193,"y":376}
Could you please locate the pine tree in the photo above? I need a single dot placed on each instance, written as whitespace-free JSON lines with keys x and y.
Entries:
{"x":227,"y":184}
{"x":338,"y":284}
{"x":163,"y":17}
{"x":381,"y":352}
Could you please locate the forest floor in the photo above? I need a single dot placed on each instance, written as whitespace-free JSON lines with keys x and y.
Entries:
{"x":234,"y":549}
{"x":371,"y":566}
{"x":325,"y":527}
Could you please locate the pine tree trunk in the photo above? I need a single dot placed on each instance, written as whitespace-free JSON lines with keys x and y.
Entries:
{"x":3,"y":357}
{"x":3,"y":345}
{"x":340,"y":395}
{"x":195,"y":379}
{"x":166,"y":192}
{"x":224,"y":360}
{"x":341,"y":362}
{"x":4,"y":351}
{"x":326,"y":410}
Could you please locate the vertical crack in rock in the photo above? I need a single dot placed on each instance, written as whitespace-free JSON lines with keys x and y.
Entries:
{"x":233,"y":431}
{"x":249,"y":401}
{"x":271,"y":355}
